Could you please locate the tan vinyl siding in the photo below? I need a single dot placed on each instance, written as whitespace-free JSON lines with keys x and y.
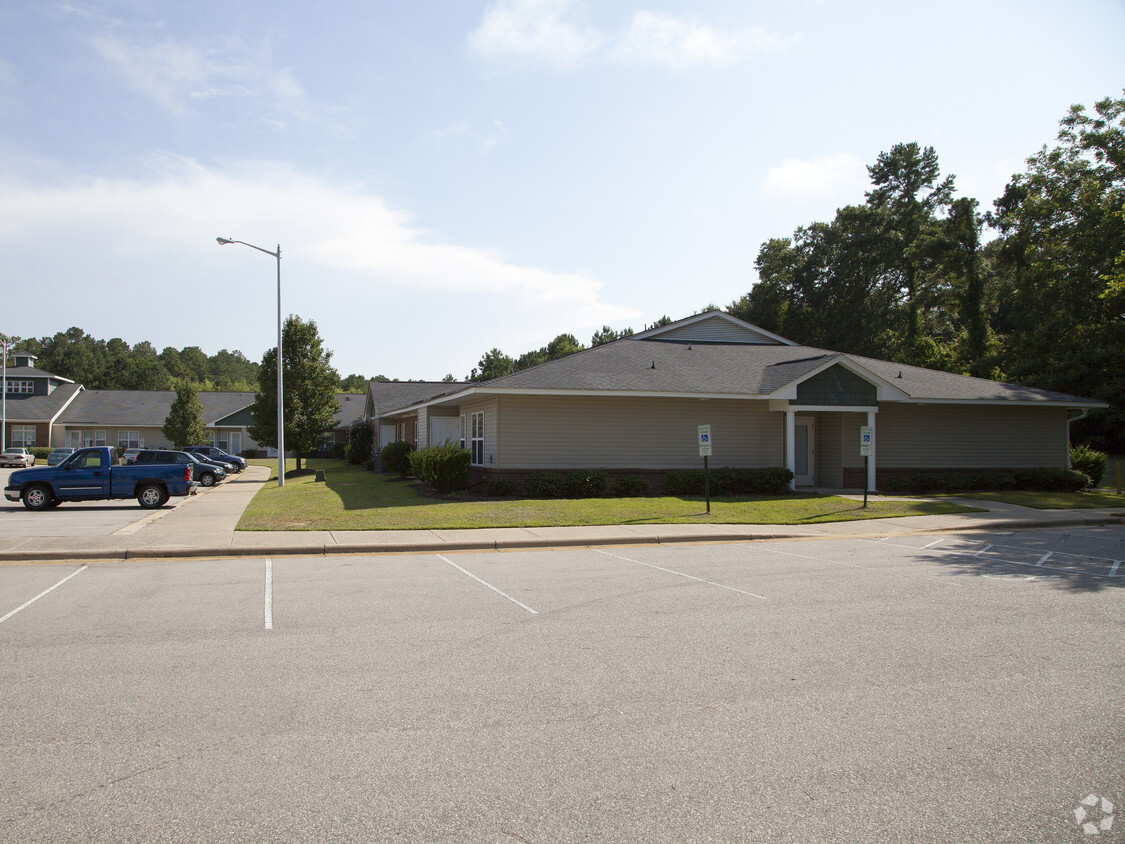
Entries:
{"x":984,"y":436}
{"x":558,"y":432}
{"x":716,"y":331}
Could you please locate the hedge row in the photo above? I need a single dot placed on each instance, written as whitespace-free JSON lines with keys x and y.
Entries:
{"x":773,"y":480}
{"x":1041,"y":480}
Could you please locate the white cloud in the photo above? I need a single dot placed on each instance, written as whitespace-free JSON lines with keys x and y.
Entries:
{"x":363,"y":269}
{"x":182,"y":76}
{"x":827,"y":177}
{"x":544,"y":30}
{"x":486,"y":140}
{"x":659,"y":38}
{"x":533,"y":29}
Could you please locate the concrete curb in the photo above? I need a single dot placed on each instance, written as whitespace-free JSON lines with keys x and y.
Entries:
{"x":523,"y":541}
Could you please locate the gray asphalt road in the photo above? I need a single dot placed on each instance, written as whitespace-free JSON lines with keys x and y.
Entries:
{"x":939,"y":688}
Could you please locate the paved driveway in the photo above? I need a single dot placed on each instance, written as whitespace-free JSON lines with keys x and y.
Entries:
{"x":79,"y":518}
{"x":950,"y":689}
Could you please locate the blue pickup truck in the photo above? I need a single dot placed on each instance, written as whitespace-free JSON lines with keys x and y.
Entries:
{"x":90,"y":474}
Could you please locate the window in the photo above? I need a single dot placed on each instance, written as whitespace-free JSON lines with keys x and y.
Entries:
{"x":129,"y":439}
{"x":23,"y":435}
{"x":99,"y":437}
{"x":21,"y":386}
{"x":476,"y":442}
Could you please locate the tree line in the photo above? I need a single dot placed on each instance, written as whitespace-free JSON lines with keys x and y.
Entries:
{"x":115,"y":365}
{"x":1031,"y":292}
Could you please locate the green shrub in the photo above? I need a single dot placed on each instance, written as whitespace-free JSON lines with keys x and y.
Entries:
{"x":1089,"y":462}
{"x":444,"y":467}
{"x":361,"y":440}
{"x":684,"y":482}
{"x":499,"y":486}
{"x":1042,"y":480}
{"x":396,"y":458}
{"x":40,"y":452}
{"x":544,"y":485}
{"x":769,"y":480}
{"x":628,"y":486}
{"x":585,"y":483}
{"x":339,"y":450}
{"x":1053,"y":480}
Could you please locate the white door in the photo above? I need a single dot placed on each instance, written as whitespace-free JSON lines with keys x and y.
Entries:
{"x":804,"y":451}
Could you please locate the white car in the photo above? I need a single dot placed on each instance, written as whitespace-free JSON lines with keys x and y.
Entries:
{"x":15,"y":456}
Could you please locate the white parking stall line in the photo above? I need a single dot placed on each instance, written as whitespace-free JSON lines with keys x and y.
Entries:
{"x":45,"y":592}
{"x":489,"y":585}
{"x":1044,"y":558}
{"x":681,"y":574}
{"x":935,"y":542}
{"x":269,"y":595}
{"x":1040,"y":564}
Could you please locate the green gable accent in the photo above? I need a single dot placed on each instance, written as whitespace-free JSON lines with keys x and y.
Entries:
{"x":239,"y":419}
{"x":836,"y":387}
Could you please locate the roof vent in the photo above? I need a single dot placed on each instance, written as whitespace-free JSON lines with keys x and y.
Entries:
{"x":900,"y":373}
{"x":689,"y":347}
{"x":653,"y":365}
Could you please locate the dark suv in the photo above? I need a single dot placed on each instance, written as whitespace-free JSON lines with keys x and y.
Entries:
{"x":205,"y":451}
{"x":208,"y":474}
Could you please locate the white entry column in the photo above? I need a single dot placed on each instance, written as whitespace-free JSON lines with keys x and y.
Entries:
{"x":874,"y":451}
{"x":791,"y":445}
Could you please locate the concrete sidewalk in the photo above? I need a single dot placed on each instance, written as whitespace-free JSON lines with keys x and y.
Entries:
{"x":203,"y":526}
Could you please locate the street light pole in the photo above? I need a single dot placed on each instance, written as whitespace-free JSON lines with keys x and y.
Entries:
{"x":223,"y":241}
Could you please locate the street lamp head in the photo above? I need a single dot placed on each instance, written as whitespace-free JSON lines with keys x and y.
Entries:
{"x":223,"y":241}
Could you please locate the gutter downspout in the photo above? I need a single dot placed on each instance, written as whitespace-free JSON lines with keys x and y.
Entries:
{"x":1082,"y":414}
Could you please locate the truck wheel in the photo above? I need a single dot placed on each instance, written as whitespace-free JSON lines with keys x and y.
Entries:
{"x":37,"y":497}
{"x":207,"y":479}
{"x":151,"y":496}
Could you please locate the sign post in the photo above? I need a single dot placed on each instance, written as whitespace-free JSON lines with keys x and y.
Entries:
{"x":866,"y":449}
{"x":705,"y":453}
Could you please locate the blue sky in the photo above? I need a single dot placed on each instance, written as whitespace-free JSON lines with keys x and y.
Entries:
{"x":446,"y":177}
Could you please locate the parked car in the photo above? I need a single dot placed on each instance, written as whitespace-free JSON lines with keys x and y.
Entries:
{"x":207,"y":474}
{"x":58,"y":455}
{"x":17,"y":456}
{"x":130,"y":455}
{"x":210,"y":452}
{"x":91,"y":474}
{"x":226,"y":462}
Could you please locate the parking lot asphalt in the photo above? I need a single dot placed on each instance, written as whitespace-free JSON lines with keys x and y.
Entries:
{"x":203,"y":526}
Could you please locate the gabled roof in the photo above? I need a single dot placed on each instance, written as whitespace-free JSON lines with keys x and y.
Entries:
{"x":23,"y":409}
{"x":384,"y":397}
{"x":685,"y":359}
{"x":146,"y":408}
{"x":351,"y":408}
{"x":32,"y":372}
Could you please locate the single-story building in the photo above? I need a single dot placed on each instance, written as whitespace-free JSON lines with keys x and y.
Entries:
{"x":633,"y":406}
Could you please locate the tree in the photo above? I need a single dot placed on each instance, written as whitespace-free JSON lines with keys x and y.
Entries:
{"x":910,"y":192}
{"x":310,"y":404}
{"x":494,"y":364}
{"x":605,"y":334}
{"x":1063,"y":231}
{"x":183,"y":425}
{"x":353,"y":384}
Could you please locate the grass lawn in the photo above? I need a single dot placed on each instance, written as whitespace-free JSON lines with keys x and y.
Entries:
{"x":1052,"y":500}
{"x":355,"y":499}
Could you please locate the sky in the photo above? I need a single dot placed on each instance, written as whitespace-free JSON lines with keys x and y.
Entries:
{"x":444,"y":178}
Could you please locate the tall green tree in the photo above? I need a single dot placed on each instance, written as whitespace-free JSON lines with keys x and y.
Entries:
{"x":1063,"y":235}
{"x":183,"y":425}
{"x":310,"y":403}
